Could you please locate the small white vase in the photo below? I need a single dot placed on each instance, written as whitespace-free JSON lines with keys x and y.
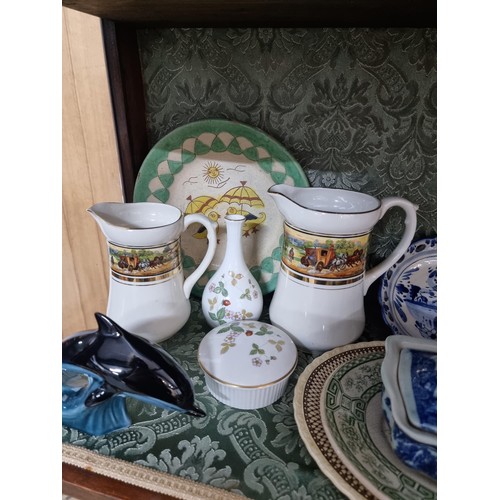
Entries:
{"x":232,"y":293}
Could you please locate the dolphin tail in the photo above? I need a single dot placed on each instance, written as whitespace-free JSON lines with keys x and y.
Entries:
{"x":100,"y":395}
{"x":196,"y":412}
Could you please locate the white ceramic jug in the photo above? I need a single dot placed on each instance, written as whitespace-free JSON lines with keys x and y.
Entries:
{"x":318,"y":299}
{"x":148,"y":294}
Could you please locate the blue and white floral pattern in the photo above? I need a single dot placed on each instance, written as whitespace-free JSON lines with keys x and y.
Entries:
{"x":408,"y":291}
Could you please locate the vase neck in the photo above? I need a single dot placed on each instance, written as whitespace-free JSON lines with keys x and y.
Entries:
{"x":234,"y":226}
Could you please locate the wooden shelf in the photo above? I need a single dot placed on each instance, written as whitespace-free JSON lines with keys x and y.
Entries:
{"x":252,"y":13}
{"x":87,"y":485}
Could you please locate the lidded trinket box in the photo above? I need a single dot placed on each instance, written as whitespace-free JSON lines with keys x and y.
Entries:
{"x":247,"y":364}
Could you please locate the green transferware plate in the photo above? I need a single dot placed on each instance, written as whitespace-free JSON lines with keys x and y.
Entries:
{"x":338,"y":408}
{"x":214,"y":167}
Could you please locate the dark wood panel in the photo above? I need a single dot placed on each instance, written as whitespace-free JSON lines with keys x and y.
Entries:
{"x":127,"y":94}
{"x":86,"y":485}
{"x":251,"y":13}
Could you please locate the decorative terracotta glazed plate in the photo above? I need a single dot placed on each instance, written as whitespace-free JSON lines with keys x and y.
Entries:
{"x":337,"y":406}
{"x":408,"y":291}
{"x":215,"y":167}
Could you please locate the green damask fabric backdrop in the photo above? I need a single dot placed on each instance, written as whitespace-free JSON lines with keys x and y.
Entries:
{"x":356,"y":107}
{"x":255,"y":453}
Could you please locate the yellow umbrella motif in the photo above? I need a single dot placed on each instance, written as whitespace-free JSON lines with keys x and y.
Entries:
{"x":200,"y":204}
{"x":242,"y":195}
{"x":203,"y":205}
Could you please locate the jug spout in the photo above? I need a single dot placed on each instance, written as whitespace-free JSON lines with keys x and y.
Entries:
{"x":100,"y":216}
{"x":326,"y":211}
{"x":111,"y":213}
{"x":137,"y":224}
{"x":284,"y":196}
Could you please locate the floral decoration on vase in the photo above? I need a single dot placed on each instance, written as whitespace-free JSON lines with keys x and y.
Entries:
{"x":232,"y":293}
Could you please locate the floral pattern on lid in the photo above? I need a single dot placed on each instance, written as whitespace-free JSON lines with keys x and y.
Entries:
{"x":247,"y":354}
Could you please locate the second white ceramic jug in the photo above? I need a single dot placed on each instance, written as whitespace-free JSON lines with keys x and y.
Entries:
{"x":148,"y":294}
{"x":319,"y":297}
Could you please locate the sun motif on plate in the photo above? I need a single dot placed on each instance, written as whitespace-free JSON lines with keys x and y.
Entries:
{"x":213,"y":173}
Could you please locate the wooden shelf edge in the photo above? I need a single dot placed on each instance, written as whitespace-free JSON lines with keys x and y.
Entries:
{"x":263,"y":13}
{"x":86,"y":485}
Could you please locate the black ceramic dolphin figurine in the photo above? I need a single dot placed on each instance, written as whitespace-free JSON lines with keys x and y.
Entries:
{"x":127,"y":365}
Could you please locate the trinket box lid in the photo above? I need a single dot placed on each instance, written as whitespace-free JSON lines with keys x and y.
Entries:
{"x":247,"y":354}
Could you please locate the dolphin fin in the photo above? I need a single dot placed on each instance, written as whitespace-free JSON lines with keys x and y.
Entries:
{"x":99,"y":396}
{"x":107,"y":326}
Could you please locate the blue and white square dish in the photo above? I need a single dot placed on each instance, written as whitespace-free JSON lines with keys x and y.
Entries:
{"x":417,"y":378}
{"x":418,"y":456}
{"x":409,"y":400}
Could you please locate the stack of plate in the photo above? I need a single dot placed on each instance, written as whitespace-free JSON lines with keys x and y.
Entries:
{"x":338,"y":410}
{"x":409,"y":400}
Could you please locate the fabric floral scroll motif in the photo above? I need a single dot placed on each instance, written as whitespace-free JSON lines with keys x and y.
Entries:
{"x":256,"y":453}
{"x":356,"y":107}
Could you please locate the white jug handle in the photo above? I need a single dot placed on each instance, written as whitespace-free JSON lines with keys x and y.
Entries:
{"x":409,"y":233}
{"x":209,"y":255}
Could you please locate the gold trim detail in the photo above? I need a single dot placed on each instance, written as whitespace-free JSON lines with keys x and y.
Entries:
{"x":141,"y":247}
{"x":145,"y":279}
{"x":238,"y":386}
{"x":319,"y":281}
{"x":326,"y":235}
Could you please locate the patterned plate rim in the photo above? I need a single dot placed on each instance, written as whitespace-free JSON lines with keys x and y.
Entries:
{"x":310,"y":426}
{"x":387,"y":285}
{"x":376,"y":485}
{"x":177,"y":137}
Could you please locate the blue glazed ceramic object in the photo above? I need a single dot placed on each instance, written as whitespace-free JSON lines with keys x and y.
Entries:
{"x":409,"y":400}
{"x":417,"y":378}
{"x":408,"y":291}
{"x":102,"y":367}
{"x":417,"y":455}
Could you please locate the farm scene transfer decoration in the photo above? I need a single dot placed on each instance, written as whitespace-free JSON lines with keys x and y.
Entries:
{"x":324,"y":256}
{"x":143,"y":263}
